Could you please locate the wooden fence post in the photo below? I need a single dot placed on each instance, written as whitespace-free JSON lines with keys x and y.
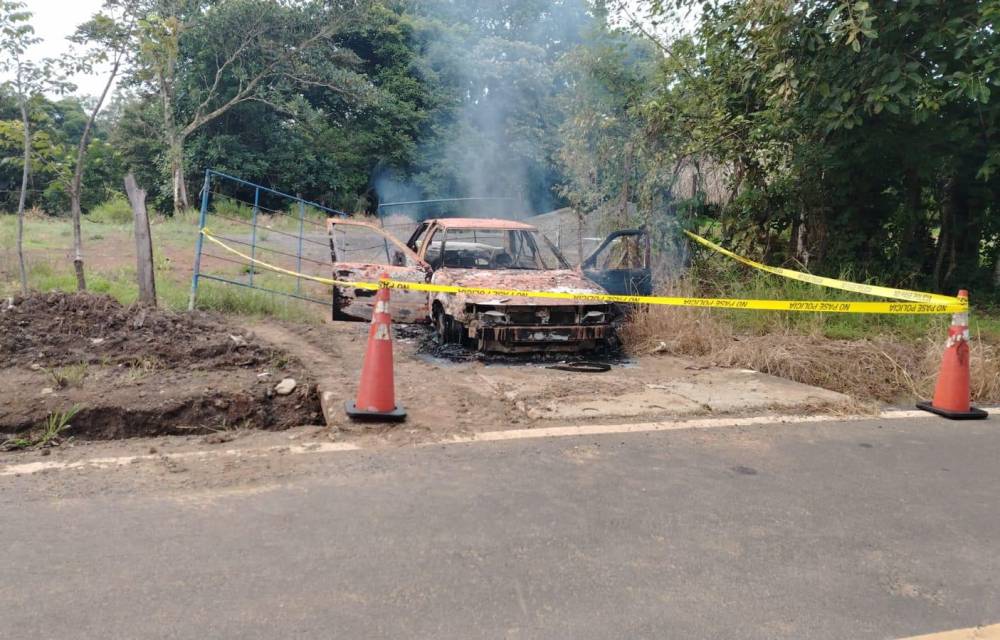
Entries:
{"x":143,"y":241}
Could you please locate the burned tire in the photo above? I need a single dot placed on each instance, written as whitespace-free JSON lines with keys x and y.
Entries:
{"x":446,"y":330}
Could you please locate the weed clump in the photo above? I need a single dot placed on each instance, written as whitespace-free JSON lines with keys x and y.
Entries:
{"x":48,"y":434}
{"x":114,"y":211}
{"x":890,"y":362}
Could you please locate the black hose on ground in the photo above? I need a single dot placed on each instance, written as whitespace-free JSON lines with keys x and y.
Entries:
{"x":581,"y":367}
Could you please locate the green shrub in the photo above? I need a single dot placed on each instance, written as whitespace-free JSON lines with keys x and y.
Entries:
{"x":114,"y":211}
{"x":186,"y":216}
{"x":231,"y":208}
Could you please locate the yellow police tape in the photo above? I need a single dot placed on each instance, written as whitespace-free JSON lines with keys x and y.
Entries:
{"x":833,"y":283}
{"x":718,"y":303}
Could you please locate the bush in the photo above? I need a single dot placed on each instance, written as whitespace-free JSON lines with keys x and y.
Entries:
{"x":117,"y":210}
{"x":231,"y":208}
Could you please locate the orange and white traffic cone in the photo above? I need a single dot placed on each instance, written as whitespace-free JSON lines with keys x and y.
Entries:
{"x":376,"y":399}
{"x":952,"y":398}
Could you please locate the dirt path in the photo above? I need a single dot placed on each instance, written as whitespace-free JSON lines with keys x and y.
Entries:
{"x":445,"y":397}
{"x":324,"y":363}
{"x":440,"y":397}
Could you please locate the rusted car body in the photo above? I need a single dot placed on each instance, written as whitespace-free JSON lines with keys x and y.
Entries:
{"x":478,"y":253}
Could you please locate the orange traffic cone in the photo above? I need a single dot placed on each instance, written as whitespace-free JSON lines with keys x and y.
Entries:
{"x":376,"y":400}
{"x":952,"y":398}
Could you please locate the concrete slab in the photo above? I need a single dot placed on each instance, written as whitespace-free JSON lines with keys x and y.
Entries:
{"x":650,"y":387}
{"x":646,"y":402}
{"x":727,"y":390}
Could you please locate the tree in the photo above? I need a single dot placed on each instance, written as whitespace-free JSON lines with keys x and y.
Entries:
{"x":110,"y":36}
{"x":47,"y":153}
{"x":604,"y":153}
{"x":201,"y":63}
{"x":857,"y":135}
{"x":31,"y":79}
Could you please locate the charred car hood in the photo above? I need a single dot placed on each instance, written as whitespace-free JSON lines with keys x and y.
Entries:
{"x":562,"y":281}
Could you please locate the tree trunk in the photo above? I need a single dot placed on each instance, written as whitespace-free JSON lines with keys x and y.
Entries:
{"x":175,"y":143}
{"x":911,"y":249}
{"x":623,"y":207}
{"x":185,"y":201}
{"x":953,"y":215}
{"x":177,"y":175}
{"x":75,"y":186}
{"x":143,"y":242}
{"x":800,"y":233}
{"x":977,"y":202}
{"x":81,"y":281}
{"x":22,"y":198}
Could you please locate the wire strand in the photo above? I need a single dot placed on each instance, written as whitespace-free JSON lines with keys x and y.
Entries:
{"x":261,"y":207}
{"x":283,"y":253}
{"x":290,"y":235}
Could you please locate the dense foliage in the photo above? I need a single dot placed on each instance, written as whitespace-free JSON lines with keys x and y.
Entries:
{"x":855,"y":135}
{"x":835,"y":135}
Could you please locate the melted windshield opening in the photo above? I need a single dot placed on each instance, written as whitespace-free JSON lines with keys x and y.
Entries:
{"x":492,"y":249}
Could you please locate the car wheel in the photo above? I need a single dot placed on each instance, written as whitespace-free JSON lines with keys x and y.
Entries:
{"x":442,"y":326}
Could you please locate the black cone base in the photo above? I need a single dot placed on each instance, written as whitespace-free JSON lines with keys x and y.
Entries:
{"x":972,"y":414}
{"x":396,"y":415}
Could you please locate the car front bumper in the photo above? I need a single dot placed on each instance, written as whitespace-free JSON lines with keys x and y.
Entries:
{"x":534,"y":338}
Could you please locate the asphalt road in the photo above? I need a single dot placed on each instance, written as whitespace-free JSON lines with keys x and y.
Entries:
{"x":854,"y":530}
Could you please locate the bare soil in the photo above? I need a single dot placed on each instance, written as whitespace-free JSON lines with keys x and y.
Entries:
{"x":139,"y":371}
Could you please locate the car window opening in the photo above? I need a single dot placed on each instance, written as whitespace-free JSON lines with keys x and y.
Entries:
{"x":490,"y":249}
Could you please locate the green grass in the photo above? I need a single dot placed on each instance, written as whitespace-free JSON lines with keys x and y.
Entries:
{"x":285,"y":220}
{"x":117,"y":211}
{"x":38,"y":234}
{"x":46,"y":246}
{"x":185,"y":216}
{"x":718,"y":278}
{"x":232,"y":299}
{"x":310,"y":213}
{"x":55,"y":424}
{"x":71,"y":375}
{"x":48,"y":433}
{"x":848,"y":326}
{"x":985,"y":326}
{"x":231,"y":208}
{"x":173,"y":294}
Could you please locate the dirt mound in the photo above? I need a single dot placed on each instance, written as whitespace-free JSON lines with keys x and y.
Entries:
{"x":126,"y":371}
{"x":53,"y":329}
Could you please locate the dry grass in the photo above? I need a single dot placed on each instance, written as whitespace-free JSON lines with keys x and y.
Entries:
{"x":883,"y":367}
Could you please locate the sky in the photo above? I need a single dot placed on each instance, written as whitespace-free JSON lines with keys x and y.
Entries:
{"x":53,"y":21}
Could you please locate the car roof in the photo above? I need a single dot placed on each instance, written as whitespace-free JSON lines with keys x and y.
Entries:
{"x":482,"y":223}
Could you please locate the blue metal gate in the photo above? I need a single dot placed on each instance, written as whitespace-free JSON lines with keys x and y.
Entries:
{"x":266,"y":231}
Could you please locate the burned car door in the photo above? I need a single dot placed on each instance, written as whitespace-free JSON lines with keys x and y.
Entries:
{"x":621,"y":263}
{"x":362,"y":252}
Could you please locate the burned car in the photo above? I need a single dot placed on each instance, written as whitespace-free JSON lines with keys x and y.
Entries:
{"x":476,"y":253}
